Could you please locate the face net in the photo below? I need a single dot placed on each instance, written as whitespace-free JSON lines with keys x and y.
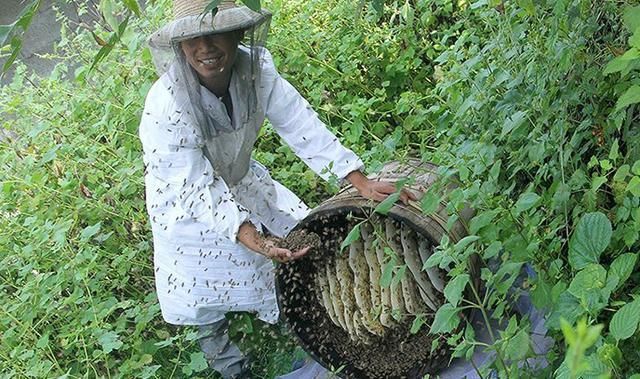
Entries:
{"x":169,"y":59}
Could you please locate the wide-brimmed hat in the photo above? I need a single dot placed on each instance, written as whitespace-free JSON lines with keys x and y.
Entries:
{"x":190,"y":21}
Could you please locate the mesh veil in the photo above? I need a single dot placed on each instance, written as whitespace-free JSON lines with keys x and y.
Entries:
{"x":169,"y":59}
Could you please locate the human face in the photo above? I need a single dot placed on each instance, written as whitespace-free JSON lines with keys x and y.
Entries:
{"x":213,"y":55}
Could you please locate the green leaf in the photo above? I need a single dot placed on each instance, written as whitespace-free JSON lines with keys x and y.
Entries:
{"x":481,"y":220}
{"x":378,"y":6}
{"x":446,"y":319}
{"x":254,"y":5}
{"x":353,"y":235}
{"x":622,"y":267}
{"x":621,"y":173}
{"x":528,"y":6}
{"x":417,"y":324}
{"x":636,"y":168}
{"x":387,"y":274}
{"x":617,"y":64}
{"x":106,"y":49}
{"x":21,"y":23}
{"x":614,"y":152}
{"x":631,"y":96}
{"x":634,"y":186}
{"x":466,"y":241}
{"x":526,"y":201}
{"x":385,"y":206}
{"x":198,"y":362}
{"x":590,"y":278}
{"x":110,"y":341}
{"x":634,"y":40}
{"x":625,"y":321}
{"x":517,"y":347}
{"x":5,"y":33}
{"x":429,"y":203}
{"x":453,"y":290}
{"x":434,"y":260}
{"x":133,"y":6}
{"x":631,"y":18}
{"x":513,"y":122}
{"x":597,"y":182}
{"x":90,"y":231}
{"x":590,"y":238}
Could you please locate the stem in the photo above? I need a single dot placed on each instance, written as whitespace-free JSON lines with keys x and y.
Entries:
{"x":489,"y":328}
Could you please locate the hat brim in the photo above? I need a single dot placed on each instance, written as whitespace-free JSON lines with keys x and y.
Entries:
{"x":227,"y":20}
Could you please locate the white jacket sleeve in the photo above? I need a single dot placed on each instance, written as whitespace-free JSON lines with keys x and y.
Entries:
{"x":184,"y":197}
{"x":299,"y":126}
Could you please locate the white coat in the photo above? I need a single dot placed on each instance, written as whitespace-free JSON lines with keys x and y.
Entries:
{"x":201,"y":271}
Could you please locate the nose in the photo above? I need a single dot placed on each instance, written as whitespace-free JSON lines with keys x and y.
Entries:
{"x":201,"y":43}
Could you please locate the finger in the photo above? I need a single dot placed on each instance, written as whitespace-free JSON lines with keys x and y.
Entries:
{"x":280,"y":253}
{"x":386,"y":187}
{"x":300,"y":253}
{"x":410,"y":195}
{"x":404,"y":198}
{"x":377,"y":196}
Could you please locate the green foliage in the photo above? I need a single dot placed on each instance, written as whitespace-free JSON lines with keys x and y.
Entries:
{"x":529,"y":107}
{"x":11,"y":34}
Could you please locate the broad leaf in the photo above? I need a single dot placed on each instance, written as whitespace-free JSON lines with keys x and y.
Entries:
{"x":446,"y":319}
{"x":110,"y":341}
{"x":417,"y":324}
{"x":517,"y":347}
{"x":481,"y":220}
{"x":429,"y":203}
{"x":622,"y":268}
{"x":254,"y":5}
{"x":590,"y":238}
{"x":90,"y":231}
{"x":634,"y":186}
{"x":387,"y":274}
{"x":631,"y":18}
{"x":591,"y":277}
{"x":385,"y":206}
{"x":353,"y":235}
{"x":526,"y":202}
{"x":631,"y":96}
{"x":513,"y":122}
{"x":617,"y":64}
{"x":625,"y":321}
{"x":453,"y":290}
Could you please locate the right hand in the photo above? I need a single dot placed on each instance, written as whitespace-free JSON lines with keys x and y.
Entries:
{"x":280,"y":254}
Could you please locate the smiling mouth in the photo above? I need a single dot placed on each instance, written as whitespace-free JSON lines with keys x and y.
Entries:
{"x":210,"y":61}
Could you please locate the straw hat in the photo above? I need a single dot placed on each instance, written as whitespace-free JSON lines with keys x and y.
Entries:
{"x":190,"y":21}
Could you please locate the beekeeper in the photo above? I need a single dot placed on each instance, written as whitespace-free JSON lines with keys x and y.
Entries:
{"x":210,"y":205}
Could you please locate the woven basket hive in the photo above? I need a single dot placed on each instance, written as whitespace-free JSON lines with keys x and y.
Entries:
{"x":334,"y":300}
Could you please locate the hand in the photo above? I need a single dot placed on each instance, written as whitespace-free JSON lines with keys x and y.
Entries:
{"x":377,"y":190}
{"x":252,"y":239}
{"x":280,"y":254}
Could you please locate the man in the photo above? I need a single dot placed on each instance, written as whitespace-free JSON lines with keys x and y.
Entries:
{"x":208,"y":201}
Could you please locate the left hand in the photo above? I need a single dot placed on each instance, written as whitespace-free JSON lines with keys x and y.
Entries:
{"x":377,"y":190}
